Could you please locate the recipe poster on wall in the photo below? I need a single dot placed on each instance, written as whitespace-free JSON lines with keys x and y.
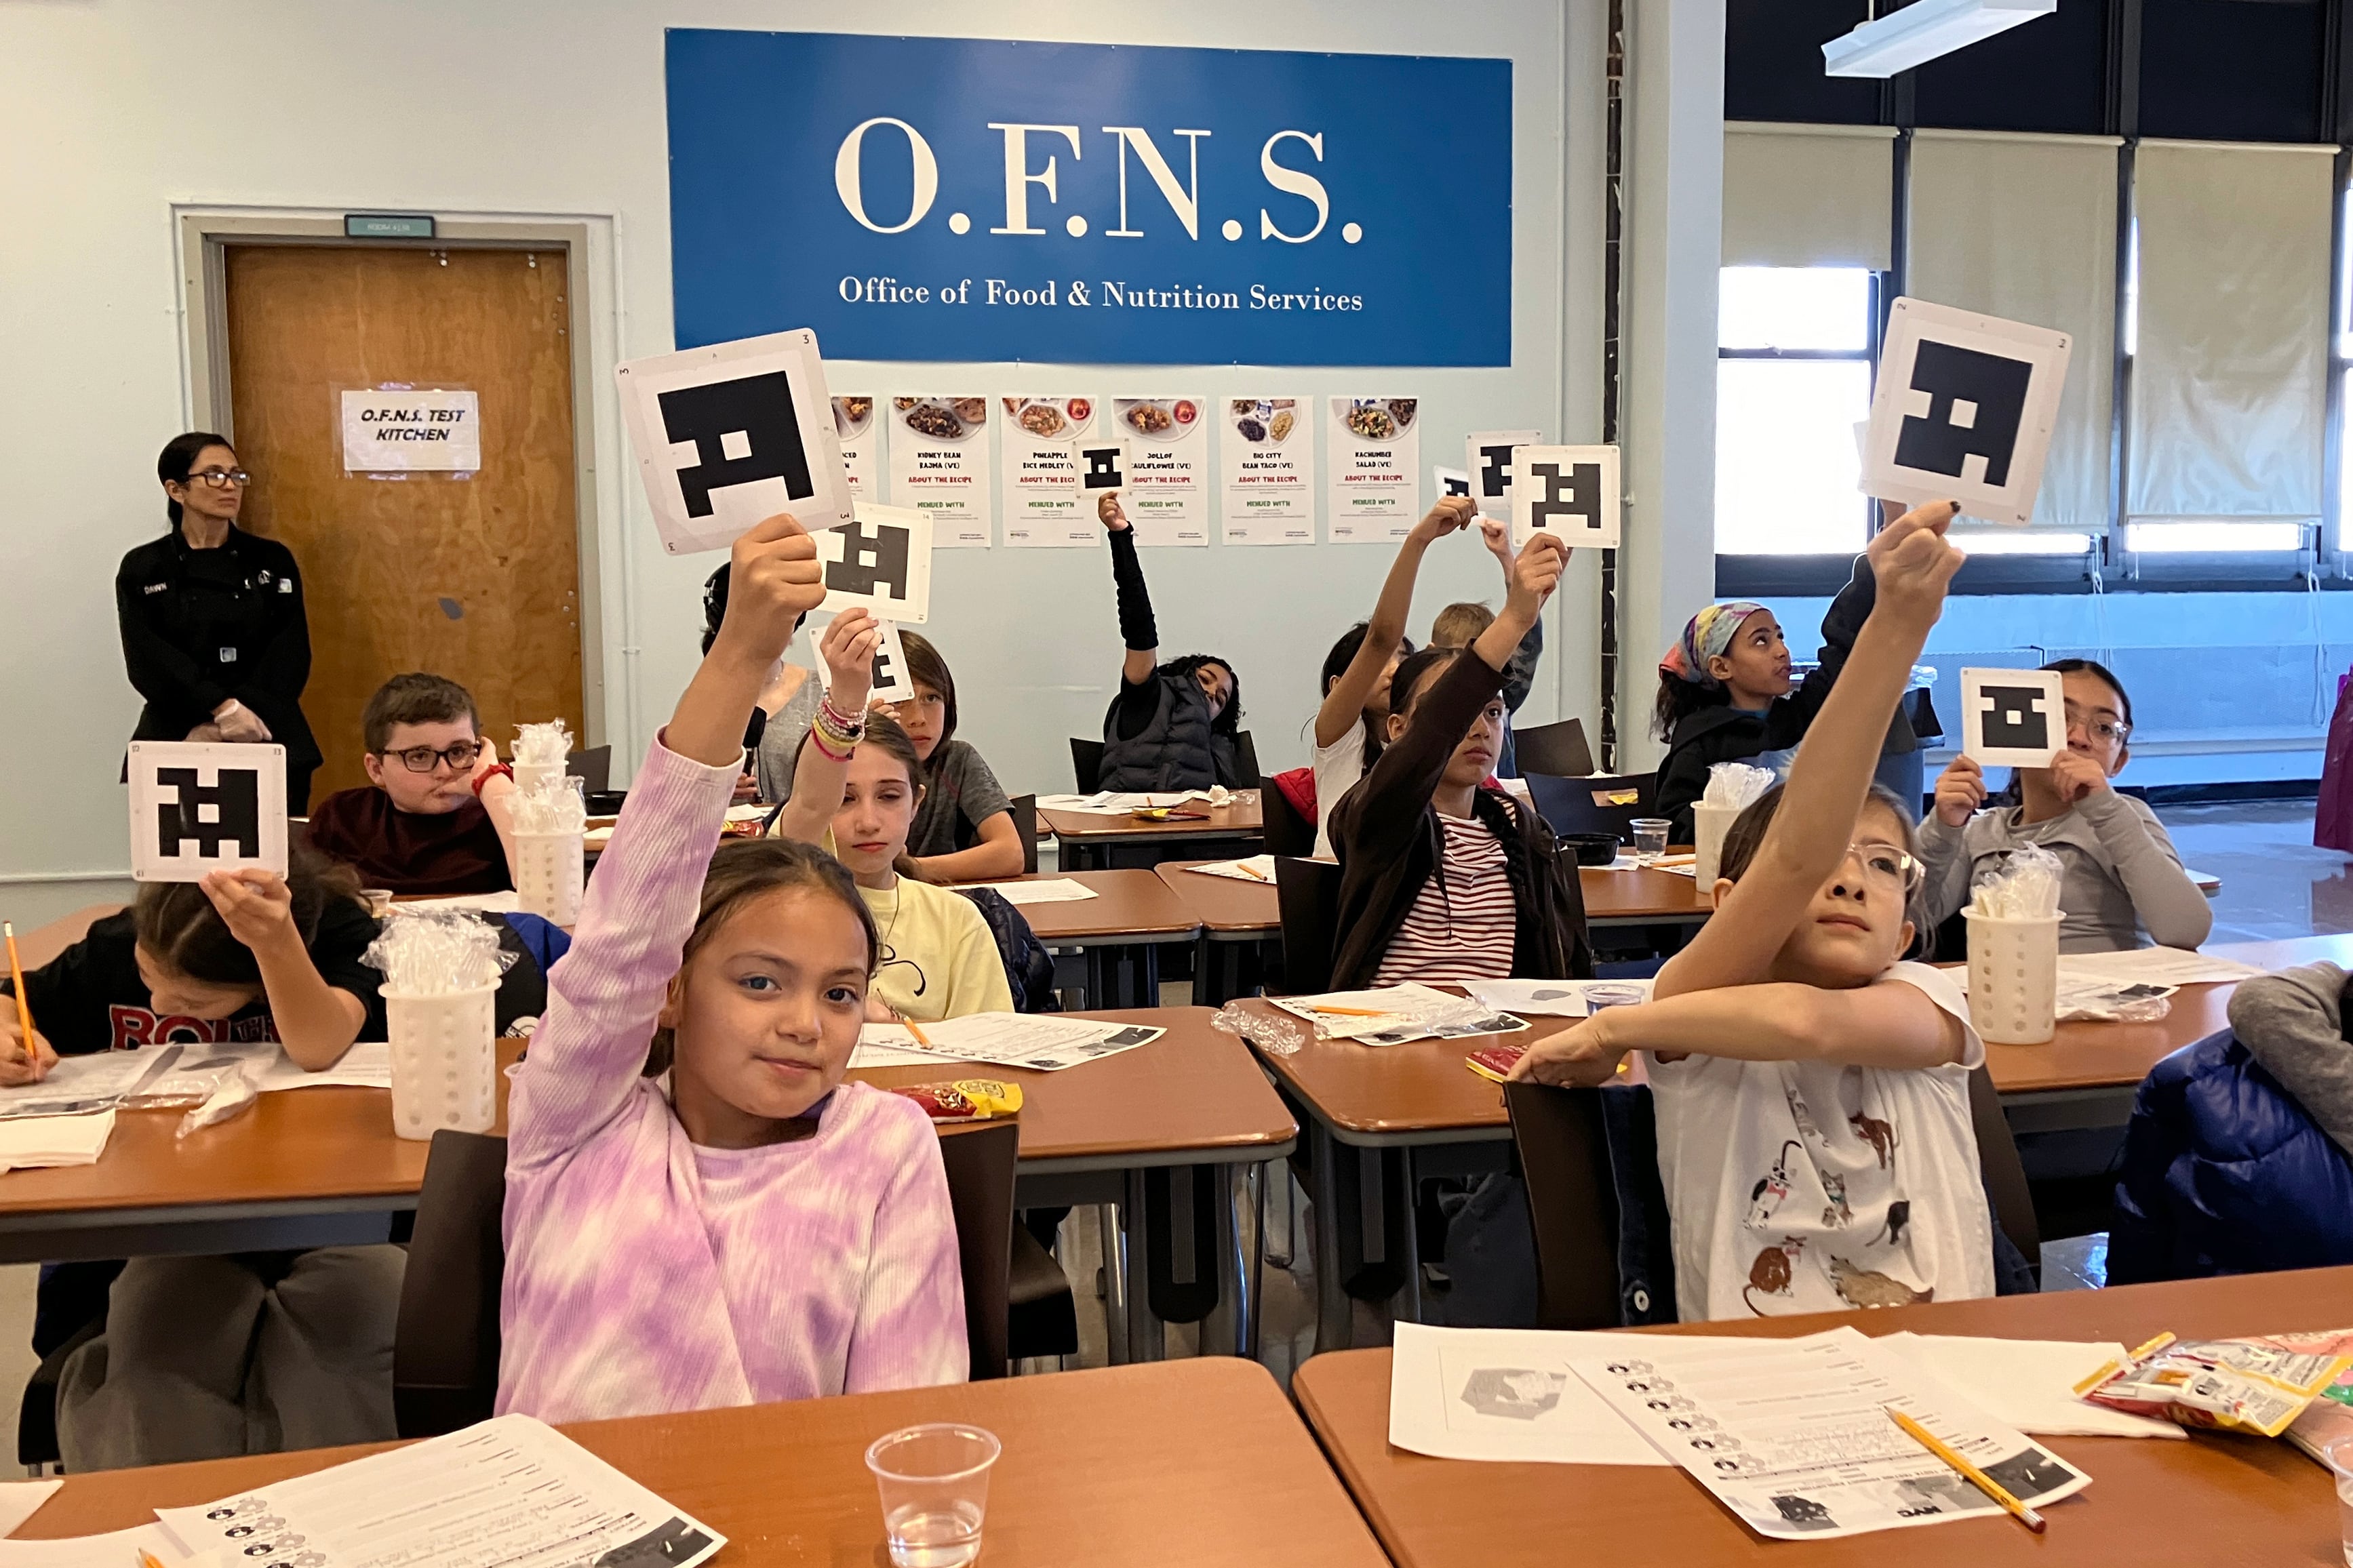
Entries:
{"x":1045,"y":505}
{"x":861,"y":435}
{"x":1375,"y":455}
{"x":939,"y":465}
{"x":1270,"y":472}
{"x":1167,"y":456}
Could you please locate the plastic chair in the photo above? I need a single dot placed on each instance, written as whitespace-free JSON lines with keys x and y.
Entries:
{"x":1555,"y":749}
{"x":1086,"y":763}
{"x":2003,"y":1171}
{"x":1578,"y":1210}
{"x":979,"y":1160}
{"x":1583,"y":804}
{"x":1307,"y":896}
{"x":1025,"y":823}
{"x":445,"y":1352}
{"x":1246,"y":774}
{"x":593,"y":768}
{"x":1284,"y":830}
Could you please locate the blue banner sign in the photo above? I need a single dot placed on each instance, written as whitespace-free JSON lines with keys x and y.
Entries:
{"x":969,"y":199}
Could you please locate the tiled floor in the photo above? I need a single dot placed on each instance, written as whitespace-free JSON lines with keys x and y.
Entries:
{"x":2274,"y":882}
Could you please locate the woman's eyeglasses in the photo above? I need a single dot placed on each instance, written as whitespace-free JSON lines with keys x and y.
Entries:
{"x":421,"y":758}
{"x":2107,"y":732}
{"x":221,"y":478}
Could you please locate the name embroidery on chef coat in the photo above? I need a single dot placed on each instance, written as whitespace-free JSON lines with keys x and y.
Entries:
{"x":228,"y":655}
{"x":155,"y":587}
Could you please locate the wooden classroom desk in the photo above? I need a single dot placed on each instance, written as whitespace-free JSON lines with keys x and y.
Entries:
{"x":2214,"y":1499}
{"x":1231,"y":911}
{"x":1191,"y":1464}
{"x":1089,"y":838}
{"x":1117,"y":930}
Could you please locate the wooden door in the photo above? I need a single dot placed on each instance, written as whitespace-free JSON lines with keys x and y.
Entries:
{"x":477,"y":579}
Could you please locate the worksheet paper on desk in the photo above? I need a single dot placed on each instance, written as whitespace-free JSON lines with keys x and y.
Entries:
{"x":1113,"y":802}
{"x":509,"y":1491}
{"x":2031,"y":1383}
{"x":80,"y":1084}
{"x":1505,"y":1394}
{"x":1397,"y":1014}
{"x":1254,"y":869}
{"x":1055,"y":890}
{"x":2155,"y":966}
{"x":115,"y":1549}
{"x":1794,"y":1436}
{"x":1041,"y":1042}
{"x":1545,"y":998}
{"x":18,"y":1499}
{"x":506,"y":903}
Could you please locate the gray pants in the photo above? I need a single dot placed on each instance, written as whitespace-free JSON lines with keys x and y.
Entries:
{"x":204,"y":1358}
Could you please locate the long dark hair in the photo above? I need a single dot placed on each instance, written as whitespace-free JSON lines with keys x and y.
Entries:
{"x":179,"y":927}
{"x":1405,"y":686}
{"x":179,"y":460}
{"x":1335,"y":665}
{"x":742,"y":869}
{"x":926,"y":668}
{"x":1227,"y":722}
{"x":1747,"y":835}
{"x":1678,"y":698}
{"x":2012,"y":792}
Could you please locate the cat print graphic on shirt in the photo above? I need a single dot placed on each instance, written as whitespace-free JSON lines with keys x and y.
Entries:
{"x":1765,"y":1197}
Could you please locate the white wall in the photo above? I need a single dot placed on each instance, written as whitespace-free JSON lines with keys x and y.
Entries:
{"x":115,"y":113}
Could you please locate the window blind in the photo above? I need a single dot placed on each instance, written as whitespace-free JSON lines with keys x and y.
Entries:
{"x":1808,"y":195}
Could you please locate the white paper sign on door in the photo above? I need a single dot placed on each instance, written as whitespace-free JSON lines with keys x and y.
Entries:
{"x":1568,"y":490}
{"x":1488,"y":454}
{"x":1269,"y":476}
{"x":1168,"y":466}
{"x":860,"y":433}
{"x":880,"y":563}
{"x":728,"y":434}
{"x":199,"y":807}
{"x":1045,"y":504}
{"x":406,"y":432}
{"x":1376,"y":479}
{"x":939,"y":465}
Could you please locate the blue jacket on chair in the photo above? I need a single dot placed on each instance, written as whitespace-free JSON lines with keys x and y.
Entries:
{"x":2230,"y":1164}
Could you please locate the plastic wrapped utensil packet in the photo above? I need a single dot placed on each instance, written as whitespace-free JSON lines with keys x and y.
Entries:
{"x":2025,"y":888}
{"x":238,"y":1094}
{"x":436,"y":952}
{"x":553,"y":803}
{"x":1736,"y":785}
{"x":543,"y":745}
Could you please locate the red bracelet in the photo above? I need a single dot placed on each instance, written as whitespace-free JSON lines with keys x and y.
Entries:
{"x":493,"y":771}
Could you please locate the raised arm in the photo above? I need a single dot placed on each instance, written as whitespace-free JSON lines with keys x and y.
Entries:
{"x":819,"y":775}
{"x":1912,"y":564}
{"x":1343,"y":705}
{"x":1137,"y":630}
{"x":606,"y":998}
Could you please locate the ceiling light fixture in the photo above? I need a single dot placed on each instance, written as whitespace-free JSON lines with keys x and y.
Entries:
{"x":1923,"y":31}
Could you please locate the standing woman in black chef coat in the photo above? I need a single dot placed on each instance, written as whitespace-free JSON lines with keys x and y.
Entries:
{"x":214,"y":632}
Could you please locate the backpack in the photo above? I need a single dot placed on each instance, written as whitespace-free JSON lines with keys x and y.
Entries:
{"x":1028,"y":967}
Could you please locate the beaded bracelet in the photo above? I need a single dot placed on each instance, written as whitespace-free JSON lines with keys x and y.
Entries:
{"x":837,"y":727}
{"x":851,"y":725}
{"x":818,"y":739}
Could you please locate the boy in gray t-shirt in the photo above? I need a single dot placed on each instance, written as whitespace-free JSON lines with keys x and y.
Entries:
{"x":2124,"y":885}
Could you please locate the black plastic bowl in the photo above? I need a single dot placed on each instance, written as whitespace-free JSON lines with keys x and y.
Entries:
{"x":1592,"y":848}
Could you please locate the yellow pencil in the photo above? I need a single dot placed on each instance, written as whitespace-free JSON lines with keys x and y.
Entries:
{"x":917,"y":1030}
{"x":1353,"y":1012}
{"x":1248,"y":870}
{"x":149,"y":1560}
{"x":16,"y":978}
{"x":1975,"y":1477}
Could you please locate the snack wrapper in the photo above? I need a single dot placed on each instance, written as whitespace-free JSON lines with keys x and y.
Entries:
{"x":1494,"y":1062}
{"x":965,"y":1100}
{"x":2260,"y":1383}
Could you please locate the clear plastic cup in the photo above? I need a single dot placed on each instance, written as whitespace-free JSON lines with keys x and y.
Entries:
{"x":1601,"y":995}
{"x":1650,"y":838}
{"x":935,"y":1484}
{"x":2338,"y":1452}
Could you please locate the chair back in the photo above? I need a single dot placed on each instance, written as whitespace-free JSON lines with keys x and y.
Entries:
{"x":2004,"y":1172}
{"x":979,"y":1160}
{"x":1555,"y":749}
{"x":593,"y":768}
{"x":1588,"y":804}
{"x":444,"y":1351}
{"x":1572,"y":1203}
{"x":1286,"y":832}
{"x":1025,"y":824}
{"x":1307,"y":896}
{"x":1086,"y":764}
{"x":1246,"y":774}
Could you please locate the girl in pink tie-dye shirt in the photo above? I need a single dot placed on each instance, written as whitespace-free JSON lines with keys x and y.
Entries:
{"x":762,"y":1230}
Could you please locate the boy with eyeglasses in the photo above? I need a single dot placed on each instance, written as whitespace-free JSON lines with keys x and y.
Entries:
{"x":2123,"y":884}
{"x":436,"y":817}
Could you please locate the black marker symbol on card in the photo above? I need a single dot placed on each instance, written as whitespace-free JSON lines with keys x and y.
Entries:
{"x":743,"y":431}
{"x":234,"y":799}
{"x":873,"y":558}
{"x":1571,"y":494}
{"x":1976,"y":404}
{"x":2016,"y":716}
{"x":1495,"y":471}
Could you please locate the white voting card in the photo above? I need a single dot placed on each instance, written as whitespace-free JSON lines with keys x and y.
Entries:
{"x":1963,"y":410}
{"x":1487,"y":454}
{"x":880,"y":563}
{"x":2013,"y":718}
{"x":202,"y":806}
{"x":729,"y":435}
{"x":1568,"y":490}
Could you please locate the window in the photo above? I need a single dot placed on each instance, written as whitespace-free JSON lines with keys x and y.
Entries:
{"x":1793,"y":380}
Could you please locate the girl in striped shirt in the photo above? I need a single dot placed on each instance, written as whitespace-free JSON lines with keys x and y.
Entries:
{"x":1443,"y":878}
{"x":748,"y":1228}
